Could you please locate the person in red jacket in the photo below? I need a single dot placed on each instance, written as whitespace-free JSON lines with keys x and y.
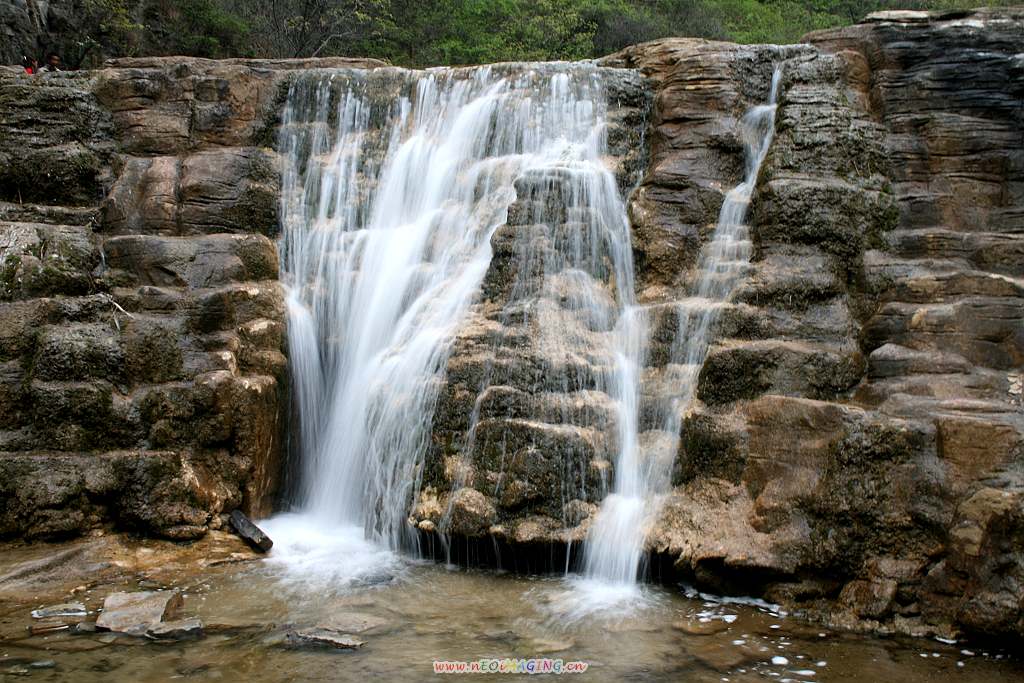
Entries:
{"x":31,"y":65}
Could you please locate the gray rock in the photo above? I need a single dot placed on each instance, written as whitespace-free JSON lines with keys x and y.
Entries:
{"x":322,"y":638}
{"x":68,"y":609}
{"x":184,"y":629}
{"x":135,"y":613}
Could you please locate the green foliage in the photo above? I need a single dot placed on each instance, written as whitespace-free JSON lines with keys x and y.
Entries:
{"x":430,"y":32}
{"x":201,"y":28}
{"x":104,"y":26}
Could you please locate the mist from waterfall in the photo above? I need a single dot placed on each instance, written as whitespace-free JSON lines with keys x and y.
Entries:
{"x":614,"y":547}
{"x":394,"y":182}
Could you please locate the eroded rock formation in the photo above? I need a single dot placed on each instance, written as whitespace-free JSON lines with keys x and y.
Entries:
{"x":142,"y":375}
{"x":856,"y":448}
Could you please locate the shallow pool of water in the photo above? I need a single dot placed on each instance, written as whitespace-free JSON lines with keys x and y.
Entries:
{"x":410,"y":614}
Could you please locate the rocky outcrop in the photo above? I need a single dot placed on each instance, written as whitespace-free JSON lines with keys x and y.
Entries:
{"x":142,"y":369}
{"x":856,"y":449}
{"x":856,"y":446}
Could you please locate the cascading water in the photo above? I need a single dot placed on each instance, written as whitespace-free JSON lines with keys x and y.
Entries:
{"x":614,"y":546}
{"x":394,"y":183}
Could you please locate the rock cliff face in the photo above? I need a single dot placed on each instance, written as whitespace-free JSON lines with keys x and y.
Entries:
{"x":142,"y":375}
{"x":31,"y":27}
{"x":856,"y":448}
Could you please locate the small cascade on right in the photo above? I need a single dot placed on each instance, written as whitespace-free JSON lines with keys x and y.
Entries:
{"x":614,"y":548}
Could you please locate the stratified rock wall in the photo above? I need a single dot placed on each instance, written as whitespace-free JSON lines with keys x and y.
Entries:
{"x":856,"y":448}
{"x":142,"y":374}
{"x":858,"y":444}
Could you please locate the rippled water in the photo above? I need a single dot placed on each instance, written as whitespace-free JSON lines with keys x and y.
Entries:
{"x":427,"y":612}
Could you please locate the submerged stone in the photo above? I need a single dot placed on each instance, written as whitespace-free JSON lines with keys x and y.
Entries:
{"x":135,"y":613}
{"x":322,"y":638}
{"x":695,"y":627}
{"x":176,"y":630}
{"x":355,"y":622}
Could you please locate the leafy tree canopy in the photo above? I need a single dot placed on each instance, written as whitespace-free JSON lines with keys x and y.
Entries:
{"x":432,"y":32}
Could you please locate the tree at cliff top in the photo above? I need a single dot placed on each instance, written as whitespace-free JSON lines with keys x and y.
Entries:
{"x":423,"y":33}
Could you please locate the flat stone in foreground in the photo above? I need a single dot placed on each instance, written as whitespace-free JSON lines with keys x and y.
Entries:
{"x":135,"y":613}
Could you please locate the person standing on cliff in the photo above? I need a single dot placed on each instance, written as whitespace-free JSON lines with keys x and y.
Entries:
{"x":52,"y":63}
{"x":30,"y":65}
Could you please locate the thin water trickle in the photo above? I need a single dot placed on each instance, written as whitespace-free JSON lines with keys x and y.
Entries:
{"x":614,"y":546}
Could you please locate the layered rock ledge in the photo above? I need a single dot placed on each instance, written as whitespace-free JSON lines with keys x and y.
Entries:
{"x":856,"y":449}
{"x":142,"y":371}
{"x":857,"y":446}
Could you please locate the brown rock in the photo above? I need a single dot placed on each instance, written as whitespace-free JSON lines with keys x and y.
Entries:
{"x":871,"y":599}
{"x":471,"y":513}
{"x":135,"y":613}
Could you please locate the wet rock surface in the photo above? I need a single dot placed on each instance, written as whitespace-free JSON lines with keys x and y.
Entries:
{"x":322,"y":638}
{"x":136,"y":613}
{"x":142,"y":367}
{"x":856,"y":448}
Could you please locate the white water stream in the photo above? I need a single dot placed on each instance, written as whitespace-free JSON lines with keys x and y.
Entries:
{"x":394,"y":183}
{"x":613,"y":551}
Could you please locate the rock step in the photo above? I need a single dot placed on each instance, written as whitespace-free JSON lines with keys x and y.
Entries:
{"x":936,"y":280}
{"x":194,"y":262}
{"x":49,"y":215}
{"x":985,"y":330}
{"x":740,"y":369}
{"x":988,"y":386}
{"x":893,"y":360}
{"x":931,"y":405}
{"x":989,"y":251}
{"x":499,"y":444}
{"x":581,"y":408}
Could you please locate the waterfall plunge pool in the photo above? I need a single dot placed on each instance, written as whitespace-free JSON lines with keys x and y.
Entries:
{"x":411,"y":613}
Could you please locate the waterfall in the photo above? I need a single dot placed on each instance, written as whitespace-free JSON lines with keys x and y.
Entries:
{"x":394,"y":183}
{"x":614,"y":546}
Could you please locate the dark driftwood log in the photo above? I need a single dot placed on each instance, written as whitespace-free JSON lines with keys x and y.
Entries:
{"x":250,"y":532}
